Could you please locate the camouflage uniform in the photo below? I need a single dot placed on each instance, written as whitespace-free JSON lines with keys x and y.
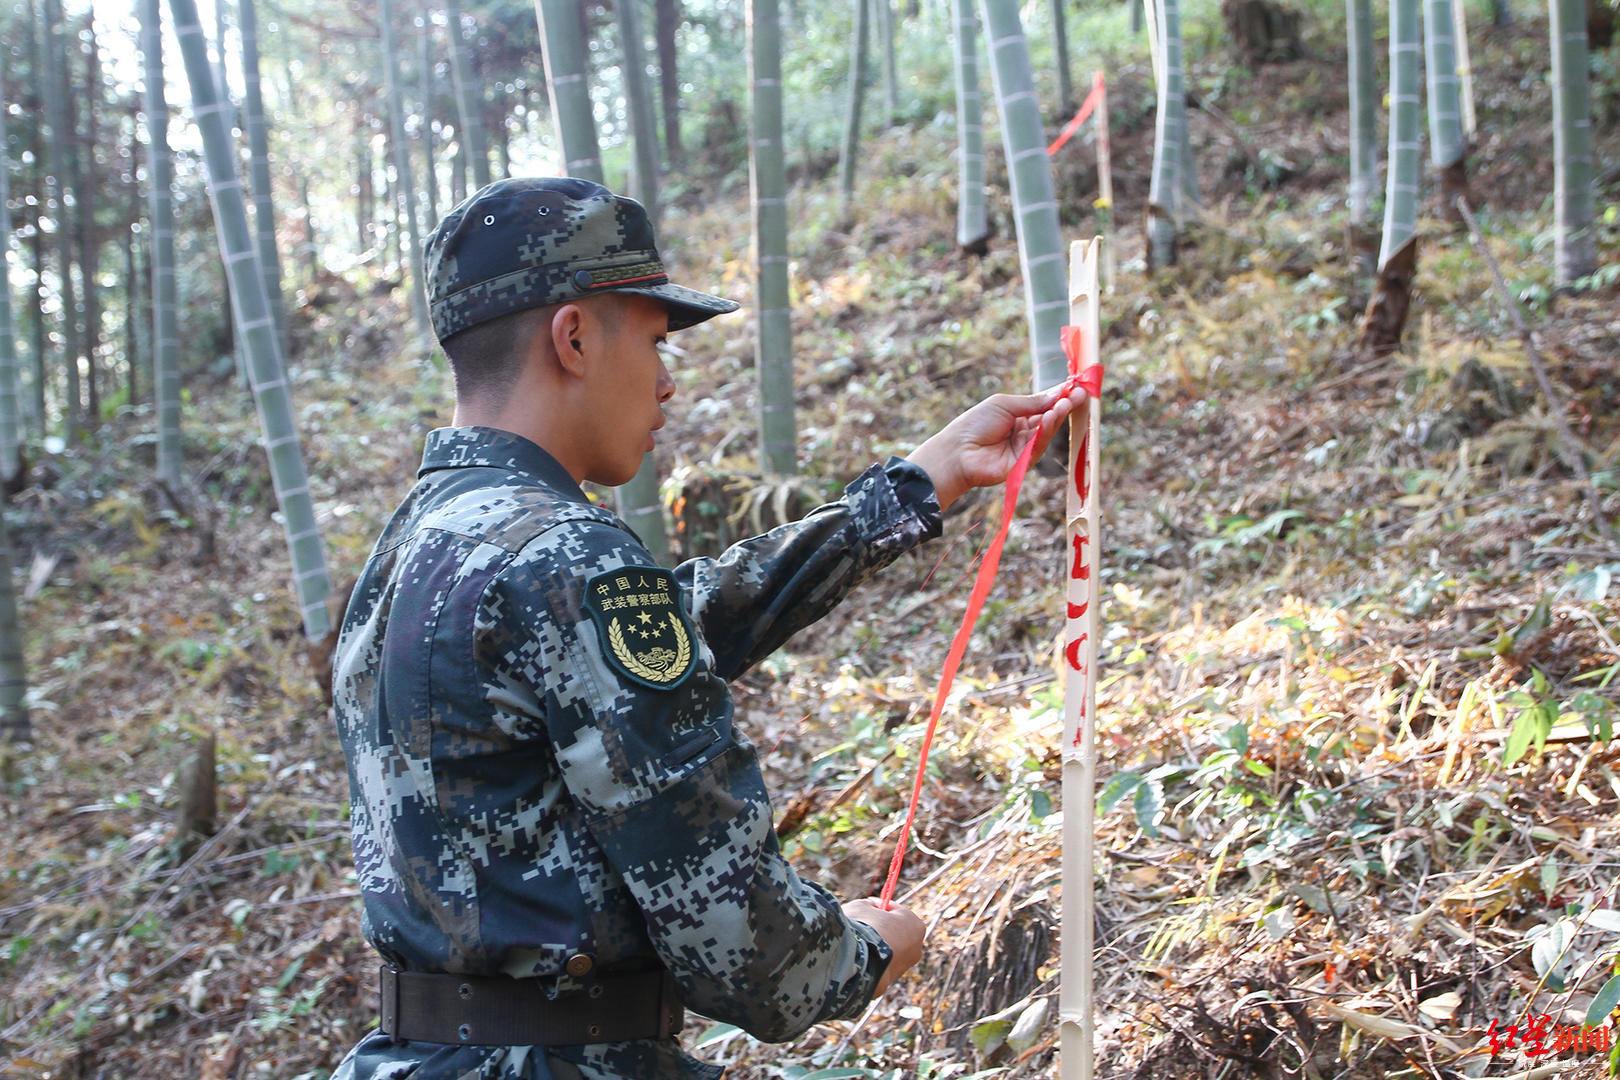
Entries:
{"x":546,"y":780}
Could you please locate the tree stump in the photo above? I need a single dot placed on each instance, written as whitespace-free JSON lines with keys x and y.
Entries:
{"x":1362,"y":240}
{"x":1454,"y":185}
{"x":1600,"y":16}
{"x":1385,"y":318}
{"x":197,"y":814}
{"x":1160,"y":224}
{"x":1263,"y":32}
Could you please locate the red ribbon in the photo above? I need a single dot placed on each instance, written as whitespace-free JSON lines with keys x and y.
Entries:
{"x":1080,"y":116}
{"x":1091,"y":379}
{"x":1072,"y":337}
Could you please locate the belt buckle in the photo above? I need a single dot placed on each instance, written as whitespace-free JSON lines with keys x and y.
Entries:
{"x":388,"y":998}
{"x":671,"y":1009}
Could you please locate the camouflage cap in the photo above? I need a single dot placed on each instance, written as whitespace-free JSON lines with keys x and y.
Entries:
{"x":528,"y":242}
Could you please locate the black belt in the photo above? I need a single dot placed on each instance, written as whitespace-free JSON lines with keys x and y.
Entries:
{"x":477,"y":1010}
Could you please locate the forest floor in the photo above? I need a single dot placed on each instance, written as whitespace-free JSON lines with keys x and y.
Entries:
{"x":1360,"y":808}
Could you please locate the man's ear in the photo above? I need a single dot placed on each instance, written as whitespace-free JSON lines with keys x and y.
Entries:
{"x":567,"y":324}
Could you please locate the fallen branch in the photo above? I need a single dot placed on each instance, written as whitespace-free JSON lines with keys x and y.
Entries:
{"x":1382,"y":1027}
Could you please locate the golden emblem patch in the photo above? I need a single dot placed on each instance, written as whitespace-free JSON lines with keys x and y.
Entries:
{"x":644,"y":630}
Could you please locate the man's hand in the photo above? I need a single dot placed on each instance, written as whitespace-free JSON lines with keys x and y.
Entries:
{"x":900,"y":927}
{"x":980,"y":447}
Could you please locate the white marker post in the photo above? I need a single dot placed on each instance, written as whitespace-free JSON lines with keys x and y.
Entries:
{"x":1075,"y":1011}
{"x":1105,"y":185}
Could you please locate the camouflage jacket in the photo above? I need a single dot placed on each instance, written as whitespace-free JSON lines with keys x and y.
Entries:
{"x":543,"y":766}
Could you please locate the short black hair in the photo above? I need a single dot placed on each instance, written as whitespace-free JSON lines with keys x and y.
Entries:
{"x":485,"y":359}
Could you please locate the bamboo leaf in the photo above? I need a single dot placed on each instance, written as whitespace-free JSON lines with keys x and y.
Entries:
{"x":1118,"y":786}
{"x":715,"y":1033}
{"x":1539,"y":619}
{"x":1604,"y":919}
{"x":1532,"y":725}
{"x":1149,"y":804}
{"x":1603,"y":1003}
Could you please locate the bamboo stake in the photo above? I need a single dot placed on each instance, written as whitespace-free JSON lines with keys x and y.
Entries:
{"x":1154,"y":29}
{"x":1075,"y":1011}
{"x":1105,"y":184}
{"x":1465,"y":70}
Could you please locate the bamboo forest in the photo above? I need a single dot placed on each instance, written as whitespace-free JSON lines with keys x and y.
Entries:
{"x":1264,"y":727}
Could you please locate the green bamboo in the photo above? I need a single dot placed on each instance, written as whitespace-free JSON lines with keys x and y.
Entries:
{"x":59,"y":148}
{"x":773,"y":341}
{"x":1446,"y":145}
{"x":852,"y":121}
{"x":665,"y":18}
{"x":564,"y":47}
{"x":34,"y":401}
{"x":406,"y":184}
{"x":306,"y":256}
{"x":1040,"y":240}
{"x":10,"y":419}
{"x":468,"y":99}
{"x":1060,"y":56}
{"x":1405,"y":140}
{"x":1168,"y":186}
{"x":574,"y":120}
{"x":1363,"y":103}
{"x":637,"y":94}
{"x":258,"y":133}
{"x":86,"y":197}
{"x":1574,"y":242}
{"x":430,"y":151}
{"x":255,"y":330}
{"x":165,"y":291}
{"x":136,"y":346}
{"x":972,"y":219}
{"x":14,"y":725}
{"x":884,"y":10}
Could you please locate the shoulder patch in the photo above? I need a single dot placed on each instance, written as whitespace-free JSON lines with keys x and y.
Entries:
{"x":644,"y":630}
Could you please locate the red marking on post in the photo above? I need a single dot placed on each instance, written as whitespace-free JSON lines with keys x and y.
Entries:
{"x":1082,"y":569}
{"x":1078,"y":611}
{"x":1074,"y":654}
{"x":1082,"y":475}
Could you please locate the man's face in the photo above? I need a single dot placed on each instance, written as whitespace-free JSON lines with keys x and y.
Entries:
{"x":631,"y":384}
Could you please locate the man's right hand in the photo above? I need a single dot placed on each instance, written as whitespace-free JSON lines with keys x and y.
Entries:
{"x":900,"y":927}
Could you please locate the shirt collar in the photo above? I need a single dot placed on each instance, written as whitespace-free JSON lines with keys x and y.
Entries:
{"x":492,"y":448}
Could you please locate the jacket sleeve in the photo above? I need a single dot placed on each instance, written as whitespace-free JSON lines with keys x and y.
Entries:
{"x":760,"y":592}
{"x":673,"y":797}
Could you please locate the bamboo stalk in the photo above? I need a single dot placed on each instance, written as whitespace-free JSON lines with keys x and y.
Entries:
{"x":1029,"y":173}
{"x":10,"y":406}
{"x":773,"y":340}
{"x":1405,"y":140}
{"x":1075,"y":1008}
{"x":255,"y":330}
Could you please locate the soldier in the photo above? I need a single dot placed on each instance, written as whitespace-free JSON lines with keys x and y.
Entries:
{"x":561,"y":839}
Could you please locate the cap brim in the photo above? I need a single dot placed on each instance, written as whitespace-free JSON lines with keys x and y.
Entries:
{"x":687,"y":307}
